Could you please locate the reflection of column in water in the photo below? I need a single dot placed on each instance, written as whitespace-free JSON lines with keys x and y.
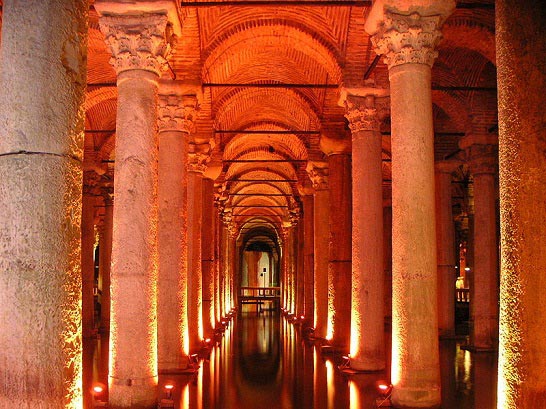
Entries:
{"x":320,"y":384}
{"x":448,"y":373}
{"x":354,"y":396}
{"x":330,"y":384}
{"x":484,"y":376}
{"x":307,"y":376}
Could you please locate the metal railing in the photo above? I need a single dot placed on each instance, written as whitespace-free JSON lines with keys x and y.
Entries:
{"x":462,"y":295}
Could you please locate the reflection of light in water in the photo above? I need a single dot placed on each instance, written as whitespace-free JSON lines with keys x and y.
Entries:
{"x":330,"y":383}
{"x":463,"y":367}
{"x":200,"y":386}
{"x":354,"y":396}
{"x":185,"y":397}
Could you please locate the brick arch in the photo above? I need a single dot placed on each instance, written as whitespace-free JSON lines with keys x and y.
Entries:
{"x":256,"y":46}
{"x":471,"y":31}
{"x":285,"y":145}
{"x":258,"y":104}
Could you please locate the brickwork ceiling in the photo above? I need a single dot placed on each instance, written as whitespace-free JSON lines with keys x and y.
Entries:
{"x":270,"y":73}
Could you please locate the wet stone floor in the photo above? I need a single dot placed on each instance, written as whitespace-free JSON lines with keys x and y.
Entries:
{"x":262,"y":362}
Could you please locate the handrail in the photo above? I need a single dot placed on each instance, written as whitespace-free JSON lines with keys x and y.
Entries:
{"x":260,"y":292}
{"x":462,"y":295}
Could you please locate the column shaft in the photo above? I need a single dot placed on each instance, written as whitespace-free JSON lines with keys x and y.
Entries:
{"x":105,"y":260}
{"x":322,"y":230}
{"x":308,"y":255}
{"x":207,"y":257}
{"x":41,"y":146}
{"x":445,"y":239}
{"x":133,"y":378}
{"x":339,"y":263}
{"x":367,"y":312}
{"x":484,"y":289}
{"x":172,"y":285}
{"x":521,"y":52}
{"x":195,"y":277}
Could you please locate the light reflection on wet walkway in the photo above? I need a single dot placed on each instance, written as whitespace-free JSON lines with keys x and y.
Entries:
{"x":262,"y":362}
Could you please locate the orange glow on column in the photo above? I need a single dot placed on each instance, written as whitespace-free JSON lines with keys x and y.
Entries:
{"x":396,"y":347}
{"x":330,"y":383}
{"x":355,"y":325}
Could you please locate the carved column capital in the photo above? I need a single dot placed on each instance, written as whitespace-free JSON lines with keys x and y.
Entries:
{"x":137,"y":42}
{"x":198,"y":157}
{"x":177,"y":112}
{"x":404,"y":39}
{"x":318,"y":174}
{"x":365,"y":107}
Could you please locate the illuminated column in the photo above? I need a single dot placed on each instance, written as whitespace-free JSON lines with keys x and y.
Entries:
{"x":318,"y":173}
{"x":387,"y":256}
{"x":367,"y":314}
{"x":105,"y":259}
{"x":522,"y":344}
{"x":207,"y":257}
{"x":197,"y":159}
{"x":42,"y":90}
{"x":285,"y":284}
{"x":299,"y":268}
{"x":482,"y":155}
{"x":138,"y":45}
{"x":445,"y":241}
{"x":308,"y":255}
{"x":406,"y":33}
{"x":88,"y":283}
{"x":176,"y":116}
{"x":340,"y":243}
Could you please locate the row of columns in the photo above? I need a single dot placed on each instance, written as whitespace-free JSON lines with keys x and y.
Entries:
{"x":44,"y":245}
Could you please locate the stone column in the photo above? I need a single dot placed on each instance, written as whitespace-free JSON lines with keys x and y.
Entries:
{"x":484,"y":287}
{"x":406,"y":33}
{"x":88,"y":284}
{"x":42,"y":90}
{"x":207,"y":257}
{"x":139,"y":48}
{"x":299,"y":268}
{"x":521,"y":52}
{"x":340,"y":243}
{"x":318,"y":173}
{"x":105,"y":259}
{"x":308,"y":257}
{"x":197,"y":160}
{"x":367,"y":313}
{"x":285,"y":282}
{"x":176,"y":117}
{"x":445,"y":241}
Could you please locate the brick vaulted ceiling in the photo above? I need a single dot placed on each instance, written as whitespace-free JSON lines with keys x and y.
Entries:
{"x":270,"y":72}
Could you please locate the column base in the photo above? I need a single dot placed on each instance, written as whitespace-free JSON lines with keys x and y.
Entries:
{"x":414,"y":398}
{"x":133,"y":393}
{"x":367,"y":365}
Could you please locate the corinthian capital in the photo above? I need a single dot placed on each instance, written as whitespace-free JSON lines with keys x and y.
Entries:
{"x":404,"y":39}
{"x":177,"y":112}
{"x":198,"y":157}
{"x":137,"y":42}
{"x":365,"y":108}
{"x":318,"y":173}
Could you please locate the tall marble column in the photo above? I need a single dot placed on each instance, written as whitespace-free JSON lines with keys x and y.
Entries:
{"x":367,"y":313}
{"x":484,"y":286}
{"x":340,"y":242}
{"x":105,"y":259}
{"x":176,"y":117}
{"x":42,"y":90}
{"x":308,"y":257}
{"x":318,"y":173}
{"x":198,"y":156}
{"x":207,"y":257}
{"x":521,"y":54}
{"x":445,"y":241}
{"x":406,"y":33}
{"x":139,"y":48}
{"x":88,"y":284}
